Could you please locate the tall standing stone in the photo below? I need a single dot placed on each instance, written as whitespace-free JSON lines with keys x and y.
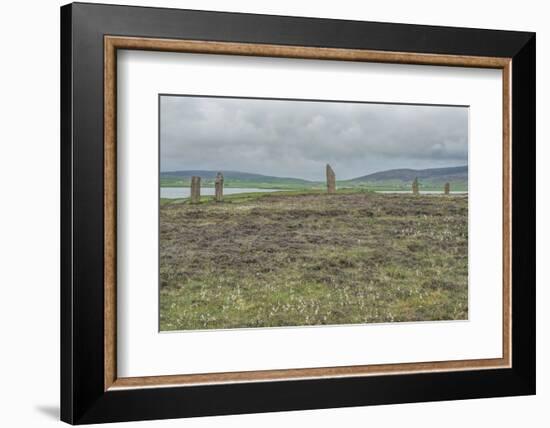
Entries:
{"x":415,"y":187}
{"x":331,"y":180}
{"x":447,"y":188}
{"x":219,"y":187}
{"x":195,"y":190}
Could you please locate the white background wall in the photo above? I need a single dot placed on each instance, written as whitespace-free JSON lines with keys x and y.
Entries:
{"x":29,"y":213}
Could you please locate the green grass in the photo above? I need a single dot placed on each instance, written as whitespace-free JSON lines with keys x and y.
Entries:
{"x":232,"y":183}
{"x":456,"y":186}
{"x":282,"y":184}
{"x":247,"y":197}
{"x":306,"y":258}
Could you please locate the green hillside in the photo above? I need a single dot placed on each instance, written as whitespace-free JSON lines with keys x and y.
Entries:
{"x":396,"y":179}
{"x":401,"y":179}
{"x":235,"y":179}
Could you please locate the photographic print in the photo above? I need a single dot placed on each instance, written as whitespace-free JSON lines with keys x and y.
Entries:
{"x":288,"y":212}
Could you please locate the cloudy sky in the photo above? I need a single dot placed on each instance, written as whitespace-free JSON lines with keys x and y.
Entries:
{"x":298,"y":138}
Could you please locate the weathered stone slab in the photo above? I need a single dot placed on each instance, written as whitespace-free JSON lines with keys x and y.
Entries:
{"x":331,"y":180}
{"x":447,"y":188}
{"x":415,"y":187}
{"x":195,"y":190}
{"x":218,"y":197}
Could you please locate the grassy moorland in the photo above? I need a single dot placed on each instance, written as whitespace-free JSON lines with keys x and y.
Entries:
{"x":308,"y":258}
{"x":284,"y":184}
{"x":381,"y":185}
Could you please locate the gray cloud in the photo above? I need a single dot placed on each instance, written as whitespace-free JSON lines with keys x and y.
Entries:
{"x":297,"y":138}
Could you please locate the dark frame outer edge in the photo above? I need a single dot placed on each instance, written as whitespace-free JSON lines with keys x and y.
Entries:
{"x":66,"y":316}
{"x":524,"y":213}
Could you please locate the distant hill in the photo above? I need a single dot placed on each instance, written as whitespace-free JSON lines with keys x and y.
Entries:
{"x":230,"y":175}
{"x":452,"y":173}
{"x":434,"y":176}
{"x":390,"y":179}
{"x":235,"y":179}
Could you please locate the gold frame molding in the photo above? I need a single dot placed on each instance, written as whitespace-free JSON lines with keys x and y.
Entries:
{"x":113,"y":43}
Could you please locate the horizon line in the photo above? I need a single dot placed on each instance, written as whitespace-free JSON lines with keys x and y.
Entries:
{"x":306,"y":179}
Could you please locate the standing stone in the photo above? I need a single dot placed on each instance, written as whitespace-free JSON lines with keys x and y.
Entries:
{"x":447,"y":188}
{"x":331,"y":180}
{"x":195,"y":190}
{"x":415,"y":187}
{"x":219,"y":187}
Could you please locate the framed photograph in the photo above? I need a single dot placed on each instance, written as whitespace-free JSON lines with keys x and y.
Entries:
{"x":265,"y":213}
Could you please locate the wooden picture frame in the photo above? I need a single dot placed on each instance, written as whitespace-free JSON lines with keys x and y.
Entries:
{"x":91,"y":390}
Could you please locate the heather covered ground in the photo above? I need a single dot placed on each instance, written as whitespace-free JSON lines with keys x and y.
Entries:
{"x":308,"y":258}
